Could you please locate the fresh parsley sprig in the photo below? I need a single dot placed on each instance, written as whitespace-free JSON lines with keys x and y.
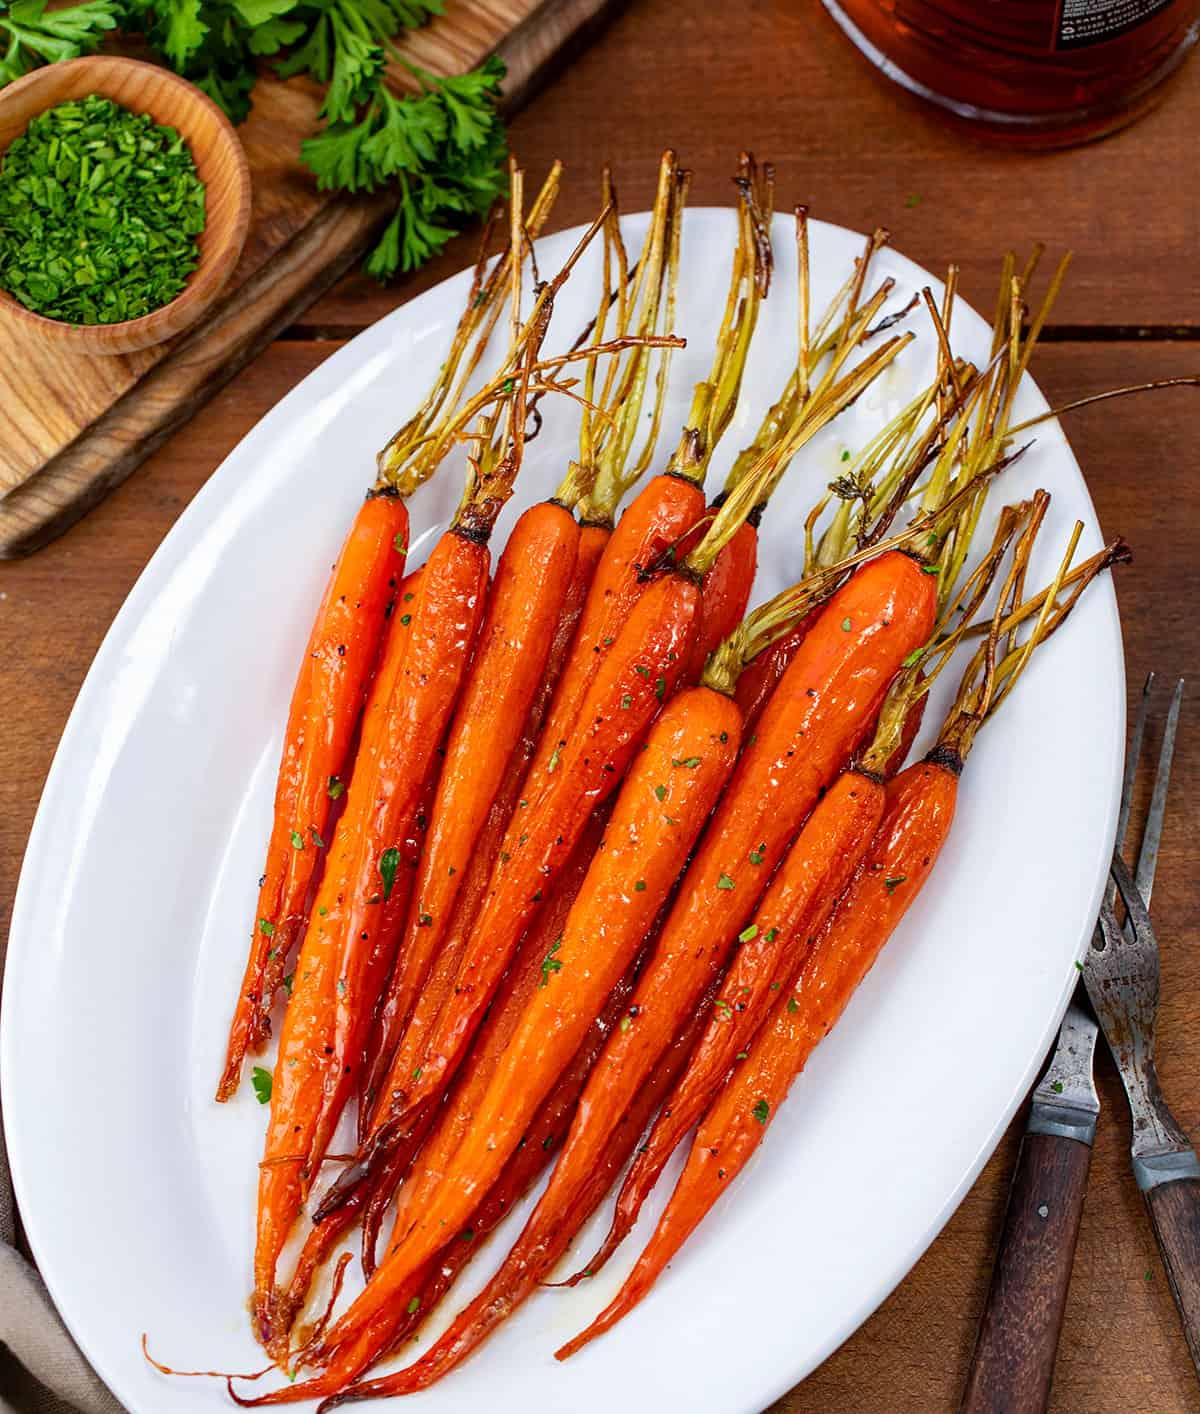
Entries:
{"x":33,"y":37}
{"x":443,"y":149}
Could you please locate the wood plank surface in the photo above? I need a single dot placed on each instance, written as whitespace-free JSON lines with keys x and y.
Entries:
{"x":1122,"y":1351}
{"x":776,"y":76}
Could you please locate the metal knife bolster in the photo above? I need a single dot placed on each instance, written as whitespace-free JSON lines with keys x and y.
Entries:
{"x":1065,"y":1103}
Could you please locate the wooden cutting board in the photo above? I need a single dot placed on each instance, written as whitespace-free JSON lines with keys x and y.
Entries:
{"x":73,"y":427}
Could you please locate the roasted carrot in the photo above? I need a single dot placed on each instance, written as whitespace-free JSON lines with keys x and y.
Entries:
{"x":523,"y":611}
{"x":340,"y":657}
{"x":606,"y":433}
{"x":528,"y":607}
{"x":671,"y":505}
{"x":491,"y":1043}
{"x":795,"y":906}
{"x":324,"y":715}
{"x":478,"y":872}
{"x":358,"y":883}
{"x":918,"y":812}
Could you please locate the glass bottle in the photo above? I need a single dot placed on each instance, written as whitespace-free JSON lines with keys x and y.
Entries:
{"x":1037,"y":72}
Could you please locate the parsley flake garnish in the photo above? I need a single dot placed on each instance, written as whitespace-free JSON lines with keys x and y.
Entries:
{"x":389,"y":862}
{"x":550,"y":963}
{"x":260,"y":1080}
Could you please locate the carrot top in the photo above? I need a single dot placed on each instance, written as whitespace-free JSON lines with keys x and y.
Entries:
{"x":715,"y":399}
{"x":641,"y":301}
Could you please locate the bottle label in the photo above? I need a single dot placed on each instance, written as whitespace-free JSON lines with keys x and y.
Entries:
{"x":1084,"y":22}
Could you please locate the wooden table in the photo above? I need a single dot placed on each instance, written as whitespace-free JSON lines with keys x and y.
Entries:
{"x":776,"y":77}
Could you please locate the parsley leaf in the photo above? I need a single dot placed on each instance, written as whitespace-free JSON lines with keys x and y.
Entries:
{"x":260,"y":1079}
{"x":389,"y":862}
{"x":36,"y":38}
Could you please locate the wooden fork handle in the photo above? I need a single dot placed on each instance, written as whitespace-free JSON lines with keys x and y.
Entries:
{"x":1013,"y":1362}
{"x":1174,"y":1209}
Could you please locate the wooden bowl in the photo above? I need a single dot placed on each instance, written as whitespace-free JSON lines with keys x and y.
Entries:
{"x":220,"y":165}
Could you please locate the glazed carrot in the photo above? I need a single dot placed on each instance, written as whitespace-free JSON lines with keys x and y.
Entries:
{"x":808,"y":882}
{"x":917,"y":816}
{"x":341,"y":654}
{"x":359,"y":879}
{"x":530,"y":1262}
{"x":523,"y":611}
{"x":324,"y":715}
{"x":673,"y":785}
{"x":725,"y":594}
{"x":671,"y":504}
{"x":490,"y":839}
{"x":761,"y":675}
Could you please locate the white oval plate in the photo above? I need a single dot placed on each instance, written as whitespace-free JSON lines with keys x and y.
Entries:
{"x":129,"y":927}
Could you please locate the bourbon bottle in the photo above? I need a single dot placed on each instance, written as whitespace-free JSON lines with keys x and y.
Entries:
{"x":1044,"y":72}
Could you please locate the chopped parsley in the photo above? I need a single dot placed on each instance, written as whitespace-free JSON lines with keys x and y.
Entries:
{"x":550,"y":963}
{"x":260,"y":1079}
{"x":761,"y":1111}
{"x":389,"y":862}
{"x":725,"y":882}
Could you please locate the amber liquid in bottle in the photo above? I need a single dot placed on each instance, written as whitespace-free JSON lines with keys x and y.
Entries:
{"x":1045,"y":72}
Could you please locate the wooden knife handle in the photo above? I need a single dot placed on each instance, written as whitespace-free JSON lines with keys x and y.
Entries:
{"x":1175,"y":1213}
{"x":1013,"y":1362}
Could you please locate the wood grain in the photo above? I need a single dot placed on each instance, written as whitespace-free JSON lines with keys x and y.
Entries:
{"x":1174,"y":1210}
{"x":72,"y":427}
{"x":1013,"y":1362}
{"x":776,"y":76}
{"x":1121,"y":1351}
{"x":220,"y":165}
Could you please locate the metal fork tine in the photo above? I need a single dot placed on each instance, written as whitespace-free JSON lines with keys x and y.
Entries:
{"x":1147,"y":861}
{"x":1135,"y":905}
{"x":1132,"y":757}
